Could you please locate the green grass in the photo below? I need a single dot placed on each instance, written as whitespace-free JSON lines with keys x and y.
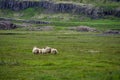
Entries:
{"x":82,"y":56}
{"x":28,"y":13}
{"x":100,"y":24}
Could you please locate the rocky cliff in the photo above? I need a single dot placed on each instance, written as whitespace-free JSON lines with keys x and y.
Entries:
{"x":89,"y":10}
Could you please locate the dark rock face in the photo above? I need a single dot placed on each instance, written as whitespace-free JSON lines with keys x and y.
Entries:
{"x":114,"y":12}
{"x":16,"y":5}
{"x":6,"y":25}
{"x":20,"y":5}
{"x":116,"y":0}
{"x":89,"y":10}
{"x":117,"y":12}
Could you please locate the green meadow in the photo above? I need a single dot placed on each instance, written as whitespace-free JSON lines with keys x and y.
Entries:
{"x":82,"y":55}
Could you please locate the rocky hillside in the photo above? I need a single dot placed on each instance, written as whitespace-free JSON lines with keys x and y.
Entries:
{"x":62,"y":7}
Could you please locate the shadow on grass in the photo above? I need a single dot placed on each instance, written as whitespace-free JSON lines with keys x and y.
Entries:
{"x":11,"y":34}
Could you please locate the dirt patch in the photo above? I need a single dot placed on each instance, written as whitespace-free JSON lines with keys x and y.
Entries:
{"x":83,"y":29}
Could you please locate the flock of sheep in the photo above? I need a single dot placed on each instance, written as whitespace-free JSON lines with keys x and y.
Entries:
{"x":45,"y":50}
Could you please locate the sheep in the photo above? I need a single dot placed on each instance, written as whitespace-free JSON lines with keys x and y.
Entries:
{"x":35,"y":50}
{"x":48,"y":49}
{"x":44,"y":51}
{"x":54,"y":51}
{"x":40,"y":51}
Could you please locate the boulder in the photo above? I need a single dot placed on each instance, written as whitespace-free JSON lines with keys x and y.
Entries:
{"x":114,"y":31}
{"x":7,"y":25}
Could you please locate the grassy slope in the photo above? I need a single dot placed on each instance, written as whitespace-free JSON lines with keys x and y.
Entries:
{"x":85,"y":56}
{"x":63,"y":20}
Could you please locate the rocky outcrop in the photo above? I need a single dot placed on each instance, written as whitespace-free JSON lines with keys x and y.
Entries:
{"x":89,"y":10}
{"x":116,"y":0}
{"x":6,"y":25}
{"x":114,"y":12}
{"x":113,"y":31}
{"x":17,"y":5}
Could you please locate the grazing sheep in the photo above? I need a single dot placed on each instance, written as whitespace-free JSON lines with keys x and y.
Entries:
{"x":54,"y":51}
{"x":35,"y":50}
{"x":44,"y":51}
{"x":40,"y":51}
{"x":48,"y":49}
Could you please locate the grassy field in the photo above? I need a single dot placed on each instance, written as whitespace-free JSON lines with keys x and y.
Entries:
{"x":82,"y":56}
{"x":100,"y":24}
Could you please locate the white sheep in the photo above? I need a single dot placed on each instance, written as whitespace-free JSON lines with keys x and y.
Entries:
{"x":40,"y":51}
{"x":35,"y":50}
{"x":44,"y":51}
{"x":54,"y":51}
{"x":48,"y":49}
